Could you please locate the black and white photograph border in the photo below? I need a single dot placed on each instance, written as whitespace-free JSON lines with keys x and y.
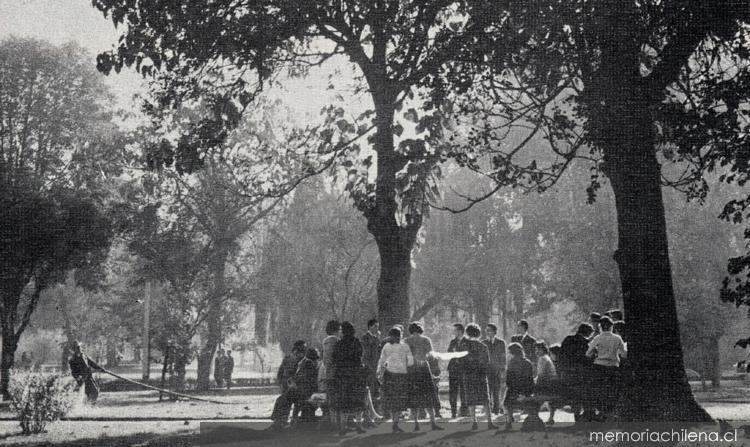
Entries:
{"x":374,"y":222}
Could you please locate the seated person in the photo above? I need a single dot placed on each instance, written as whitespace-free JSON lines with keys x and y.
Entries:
{"x":546,"y":378}
{"x":301,"y":387}
{"x":519,"y":380}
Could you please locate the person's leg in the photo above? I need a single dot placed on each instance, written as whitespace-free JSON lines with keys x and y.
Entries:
{"x":462,"y":395}
{"x":492,"y":381}
{"x":473,"y":415}
{"x":453,"y":384}
{"x":280,"y":410}
{"x":396,"y":416}
{"x":343,"y":420}
{"x":490,"y":425}
{"x":415,"y":415}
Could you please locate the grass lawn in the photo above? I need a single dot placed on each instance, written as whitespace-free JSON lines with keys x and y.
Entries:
{"x":132,"y":418}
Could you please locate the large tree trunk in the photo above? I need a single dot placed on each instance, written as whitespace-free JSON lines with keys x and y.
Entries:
{"x":395,"y":239}
{"x":660,"y":390}
{"x":9,"y":346}
{"x":622,"y":125}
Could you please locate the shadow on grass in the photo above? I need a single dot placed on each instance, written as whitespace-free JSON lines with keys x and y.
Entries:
{"x":136,"y":439}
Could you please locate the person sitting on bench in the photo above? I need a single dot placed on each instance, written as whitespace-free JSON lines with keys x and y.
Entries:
{"x":519,"y":381}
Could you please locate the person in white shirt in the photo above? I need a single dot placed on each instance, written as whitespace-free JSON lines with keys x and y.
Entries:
{"x":395,"y":359}
{"x":607,"y":348}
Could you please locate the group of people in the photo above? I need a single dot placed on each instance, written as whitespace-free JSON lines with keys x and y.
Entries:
{"x":400,"y":372}
{"x":223,"y":368}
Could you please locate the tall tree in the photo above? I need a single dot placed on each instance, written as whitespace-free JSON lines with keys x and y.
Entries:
{"x":57,"y":145}
{"x":607,"y":74}
{"x":393,"y":44}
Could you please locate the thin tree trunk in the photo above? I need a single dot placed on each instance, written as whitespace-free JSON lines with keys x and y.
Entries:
{"x":214,"y":324}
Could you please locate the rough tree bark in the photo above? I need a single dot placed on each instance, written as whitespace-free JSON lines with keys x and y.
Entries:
{"x":214,"y":332}
{"x":9,"y":345}
{"x":395,"y":241}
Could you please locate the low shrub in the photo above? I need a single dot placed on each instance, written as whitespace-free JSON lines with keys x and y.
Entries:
{"x":39,"y":399}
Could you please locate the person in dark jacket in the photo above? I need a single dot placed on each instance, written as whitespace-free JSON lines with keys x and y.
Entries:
{"x":302,"y":385}
{"x":475,"y":368}
{"x":228,"y":369}
{"x":519,"y":380}
{"x":219,"y":368}
{"x":289,"y":364}
{"x":81,"y":367}
{"x":496,"y":372}
{"x":455,"y":372}
{"x":575,"y":371}
{"x":528,"y":343}
{"x":348,"y":378}
{"x":371,"y":345}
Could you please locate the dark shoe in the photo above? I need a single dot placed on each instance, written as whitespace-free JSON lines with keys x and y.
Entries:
{"x":436,"y":427}
{"x":397,"y":429}
{"x":474,"y":426}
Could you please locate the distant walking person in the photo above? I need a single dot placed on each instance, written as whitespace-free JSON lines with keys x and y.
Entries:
{"x":219,"y":368}
{"x":455,"y":372}
{"x":81,"y":367}
{"x":395,"y":359}
{"x":424,"y":394}
{"x":496,"y":370}
{"x":228,"y":369}
{"x":476,"y":365}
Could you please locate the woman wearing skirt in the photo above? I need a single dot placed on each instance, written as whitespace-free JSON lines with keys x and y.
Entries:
{"x":349,"y":379}
{"x":423,"y":393}
{"x":395,"y":359}
{"x":476,"y":364}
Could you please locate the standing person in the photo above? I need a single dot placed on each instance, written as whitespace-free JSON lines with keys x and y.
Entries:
{"x":527,"y":341}
{"x":81,"y":367}
{"x":606,"y":349}
{"x":496,"y":371}
{"x":424,"y":394}
{"x":349,"y":377}
{"x":228,"y":369}
{"x":333,"y":335}
{"x":455,"y":372}
{"x":575,"y":371}
{"x":594,"y":320}
{"x":219,"y":368}
{"x":371,"y":345}
{"x":519,"y":380}
{"x":395,"y":359}
{"x":476,"y":366}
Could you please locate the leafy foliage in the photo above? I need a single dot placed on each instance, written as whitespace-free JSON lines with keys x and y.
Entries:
{"x":39,"y":399}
